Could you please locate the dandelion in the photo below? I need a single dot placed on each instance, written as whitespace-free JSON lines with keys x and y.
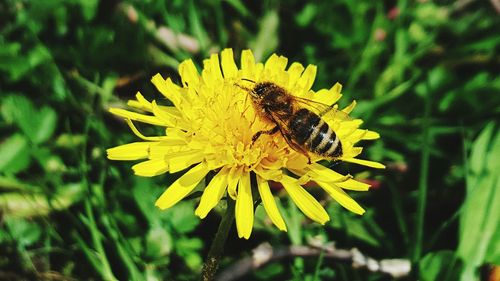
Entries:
{"x":210,"y":128}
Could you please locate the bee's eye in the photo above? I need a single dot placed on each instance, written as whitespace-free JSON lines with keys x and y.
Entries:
{"x":259,"y":90}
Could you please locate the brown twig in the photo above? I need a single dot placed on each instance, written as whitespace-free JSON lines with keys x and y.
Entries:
{"x":265,"y":254}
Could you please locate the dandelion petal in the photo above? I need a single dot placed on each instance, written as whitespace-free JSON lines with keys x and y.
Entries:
{"x":212,"y":194}
{"x":182,"y":187}
{"x":368,"y":163}
{"x":228,"y":66}
{"x":151,"y":168}
{"x":244,"y":207}
{"x":130,"y":151}
{"x":269,"y":204}
{"x":340,"y":196}
{"x":305,"y":201}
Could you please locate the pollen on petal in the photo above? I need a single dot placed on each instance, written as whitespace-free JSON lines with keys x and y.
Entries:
{"x":182,"y":186}
{"x":244,"y":207}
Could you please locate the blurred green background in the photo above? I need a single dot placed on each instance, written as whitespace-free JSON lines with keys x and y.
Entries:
{"x":425,"y":75}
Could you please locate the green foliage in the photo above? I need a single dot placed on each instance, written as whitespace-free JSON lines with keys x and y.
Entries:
{"x":424,"y":74}
{"x":479,"y":226}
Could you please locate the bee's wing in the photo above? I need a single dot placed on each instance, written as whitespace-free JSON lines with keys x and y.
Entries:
{"x":323,"y":110}
{"x":285,"y":132}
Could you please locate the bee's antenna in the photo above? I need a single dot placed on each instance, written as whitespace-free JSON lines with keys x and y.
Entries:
{"x":249,"y":80}
{"x":250,"y":91}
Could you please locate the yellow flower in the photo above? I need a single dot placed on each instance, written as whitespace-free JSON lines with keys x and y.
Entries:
{"x":210,"y":128}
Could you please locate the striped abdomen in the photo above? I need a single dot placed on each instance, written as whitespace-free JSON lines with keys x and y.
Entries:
{"x":312,"y":133}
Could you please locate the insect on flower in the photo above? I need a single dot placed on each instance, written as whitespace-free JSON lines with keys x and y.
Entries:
{"x":295,"y":118}
{"x":257,"y":120}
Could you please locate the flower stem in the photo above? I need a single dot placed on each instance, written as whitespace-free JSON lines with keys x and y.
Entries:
{"x":217,"y":248}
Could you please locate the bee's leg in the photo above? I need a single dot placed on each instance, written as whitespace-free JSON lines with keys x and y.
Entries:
{"x":268,"y":132}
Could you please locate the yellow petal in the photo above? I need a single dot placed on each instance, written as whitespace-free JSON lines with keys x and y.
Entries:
{"x":182,"y":186}
{"x":353,"y":185}
{"x":248,"y":64}
{"x":211,"y":73}
{"x":232,"y":181}
{"x":140,"y":102}
{"x":370,"y":135}
{"x":350,"y":107}
{"x":151,"y":168}
{"x":276,"y":63}
{"x":137,"y":133}
{"x":368,"y":163}
{"x":305,"y":201}
{"x":189,"y":73}
{"x":212,"y":193}
{"x":340,"y":196}
{"x":337,"y":88}
{"x":324,"y":96}
{"x":319,"y":172}
{"x":181,"y":160}
{"x":130,"y":151}
{"x":167,"y":147}
{"x":294,"y":72}
{"x":228,"y":66}
{"x":307,"y":79}
{"x":244,"y":207}
{"x":137,"y":116}
{"x":168,"y":89}
{"x":169,"y":115}
{"x":269,"y":203}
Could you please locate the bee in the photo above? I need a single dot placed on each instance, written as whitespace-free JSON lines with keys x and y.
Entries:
{"x":303,"y":130}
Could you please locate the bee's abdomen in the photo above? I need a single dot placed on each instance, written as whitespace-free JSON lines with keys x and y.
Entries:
{"x":314,"y":134}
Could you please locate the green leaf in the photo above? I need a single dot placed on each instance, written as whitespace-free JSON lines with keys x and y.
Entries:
{"x":158,"y":242}
{"x":46,"y":120}
{"x":15,"y":154}
{"x":442,"y":265}
{"x":189,"y":248}
{"x":145,"y":196}
{"x":479,"y":221}
{"x":26,"y":233}
{"x":37,"y":125}
{"x":181,"y":217}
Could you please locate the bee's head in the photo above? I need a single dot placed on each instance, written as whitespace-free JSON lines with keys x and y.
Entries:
{"x":260,"y":89}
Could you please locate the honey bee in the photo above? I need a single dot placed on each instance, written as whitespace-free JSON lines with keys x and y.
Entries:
{"x":303,"y":130}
